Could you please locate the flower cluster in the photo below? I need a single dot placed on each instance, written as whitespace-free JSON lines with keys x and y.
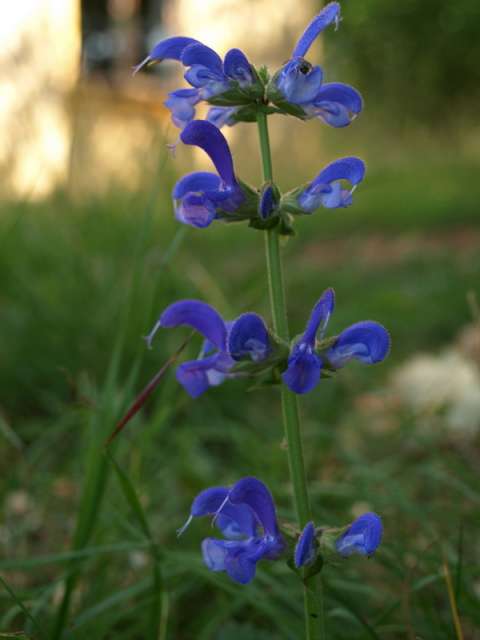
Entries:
{"x":237,"y":90}
{"x":245,"y":514}
{"x":246,"y":346}
{"x":362,"y":537}
{"x":202,"y":197}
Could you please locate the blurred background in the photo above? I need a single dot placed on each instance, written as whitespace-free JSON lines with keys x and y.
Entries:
{"x":90,"y":255}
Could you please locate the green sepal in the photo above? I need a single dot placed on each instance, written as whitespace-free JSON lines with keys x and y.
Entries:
{"x":286,"y":224}
{"x":327,"y":540}
{"x":312,"y":569}
{"x":269,"y":223}
{"x":289,"y":201}
{"x":237,"y":96}
{"x":263,"y":74}
{"x":249,"y":112}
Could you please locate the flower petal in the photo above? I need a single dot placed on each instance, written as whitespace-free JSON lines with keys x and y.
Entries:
{"x":208,"y":501}
{"x":214,"y":552}
{"x":329,"y":14}
{"x":169,"y":49}
{"x":195,"y":209}
{"x":236,"y":521}
{"x":351,"y":169}
{"x":199,"y":315}
{"x":304,"y":370}
{"x":182,"y":106}
{"x":206,"y":136}
{"x":320,"y":316}
{"x":305,"y":547}
{"x":194,"y":375}
{"x":220,"y":116}
{"x":337,"y":104}
{"x":366,"y":341}
{"x":233,"y":520}
{"x":239,"y":566}
{"x":299,"y":82}
{"x":198,"y":181}
{"x":255,"y":494}
{"x":363,"y":536}
{"x":199,"y":54}
{"x":248,"y":337}
{"x":237,"y":67}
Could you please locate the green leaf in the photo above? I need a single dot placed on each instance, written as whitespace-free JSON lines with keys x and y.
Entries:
{"x":130,"y":496}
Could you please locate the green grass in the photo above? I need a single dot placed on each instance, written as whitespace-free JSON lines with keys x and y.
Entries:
{"x":81,"y":283}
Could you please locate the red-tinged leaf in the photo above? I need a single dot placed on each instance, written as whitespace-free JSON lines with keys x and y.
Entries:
{"x":147,"y":392}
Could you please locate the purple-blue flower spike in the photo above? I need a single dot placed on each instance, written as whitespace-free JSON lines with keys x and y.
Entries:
{"x":326,"y":189}
{"x":368,"y":341}
{"x":305,"y":547}
{"x":245,"y":514}
{"x":196,"y":376}
{"x":363,"y":536}
{"x":304,"y":365}
{"x":200,"y":195}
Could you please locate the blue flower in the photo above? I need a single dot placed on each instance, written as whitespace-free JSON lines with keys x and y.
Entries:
{"x":301,"y":83}
{"x":249,"y":338}
{"x":199,"y":196}
{"x":305,"y":549}
{"x":213,"y":364}
{"x":206,"y":73}
{"x":221,"y":116}
{"x":245,"y":514}
{"x":363,"y":536}
{"x":326,"y":189}
{"x":367,"y":342}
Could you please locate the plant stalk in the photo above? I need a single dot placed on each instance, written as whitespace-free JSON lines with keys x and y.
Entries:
{"x":314,"y":622}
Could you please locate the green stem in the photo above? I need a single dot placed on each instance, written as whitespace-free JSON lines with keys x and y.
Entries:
{"x":291,"y":415}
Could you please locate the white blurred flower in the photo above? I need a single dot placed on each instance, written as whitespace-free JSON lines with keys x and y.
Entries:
{"x":448,"y":382}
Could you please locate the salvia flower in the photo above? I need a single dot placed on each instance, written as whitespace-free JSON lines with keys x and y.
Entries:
{"x":326,"y":189}
{"x":368,"y":342}
{"x":363,"y":536}
{"x":246,"y":516}
{"x":206,"y":73}
{"x":301,"y":83}
{"x":200,"y":196}
{"x":213,"y":364}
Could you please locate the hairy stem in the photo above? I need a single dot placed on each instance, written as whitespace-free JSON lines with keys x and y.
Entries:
{"x":291,"y":415}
